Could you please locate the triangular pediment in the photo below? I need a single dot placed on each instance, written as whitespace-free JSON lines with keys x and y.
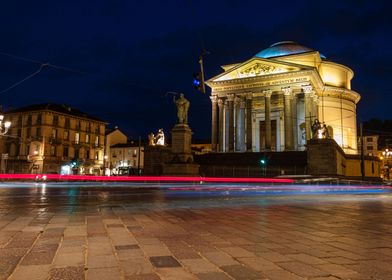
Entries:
{"x":257,"y":67}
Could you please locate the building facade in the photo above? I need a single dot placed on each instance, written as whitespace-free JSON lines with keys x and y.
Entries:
{"x":270,"y":101}
{"x":52,"y":138}
{"x":126,"y":158}
{"x":370,"y":145}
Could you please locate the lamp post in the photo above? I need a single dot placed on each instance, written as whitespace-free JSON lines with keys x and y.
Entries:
{"x":4,"y":126}
{"x":387,"y":154}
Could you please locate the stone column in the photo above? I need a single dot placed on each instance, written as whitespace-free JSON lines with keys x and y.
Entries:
{"x":237,"y":144}
{"x":295,"y":121}
{"x":242,"y":127}
{"x":267,"y":110}
{"x":214,"y":125}
{"x":315,"y":100}
{"x":288,"y":119}
{"x":226,"y":133}
{"x":308,"y":89}
{"x":231,"y":122}
{"x":249,"y":122}
{"x":221,"y":124}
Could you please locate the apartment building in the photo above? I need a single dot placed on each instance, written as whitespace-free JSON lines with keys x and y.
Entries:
{"x":53,"y":138}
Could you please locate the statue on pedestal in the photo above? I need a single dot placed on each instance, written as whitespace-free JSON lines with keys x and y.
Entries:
{"x":182,"y":108}
{"x":158,"y":139}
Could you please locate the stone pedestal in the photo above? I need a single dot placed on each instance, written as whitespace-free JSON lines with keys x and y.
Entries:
{"x":182,"y":163}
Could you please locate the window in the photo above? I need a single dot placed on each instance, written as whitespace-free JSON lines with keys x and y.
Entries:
{"x":28,"y":132}
{"x":134,"y":153}
{"x":19,"y":132}
{"x":77,"y":137}
{"x":55,"y":120}
{"x":67,"y":123}
{"x":369,"y":148}
{"x":87,"y":138}
{"x":96,"y":155}
{"x":369,"y":139}
{"x":36,"y":150}
{"x":88,"y":127}
{"x":27,"y":149}
{"x":87,"y":154}
{"x":65,"y":151}
{"x":78,"y":125}
{"x":39,"y":119}
{"x":54,"y":133}
{"x":19,"y":122}
{"x":38,"y":132}
{"x":29,"y":120}
{"x":66,"y":135}
{"x":96,"y":141}
{"x":76,"y":154}
{"x":52,"y":150}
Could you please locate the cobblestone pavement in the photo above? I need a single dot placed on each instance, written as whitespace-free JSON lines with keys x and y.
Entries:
{"x":108,"y":234}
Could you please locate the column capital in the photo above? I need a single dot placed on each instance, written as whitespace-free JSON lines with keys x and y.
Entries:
{"x":267,"y":93}
{"x":214,"y":98}
{"x":242,"y":104}
{"x":287,"y":91}
{"x":308,"y":89}
{"x":249,"y":95}
{"x":230,"y":97}
{"x":220,"y":102}
{"x":237,"y":99}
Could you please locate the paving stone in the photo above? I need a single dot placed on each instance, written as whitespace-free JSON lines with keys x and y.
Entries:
{"x":213,"y":276}
{"x":220,"y":258}
{"x":282,"y":275}
{"x":67,"y":273}
{"x":126,"y":247}
{"x":238,"y":252}
{"x":69,"y":259}
{"x":31,"y":272}
{"x":303,"y":269}
{"x":240,"y":272}
{"x":306,"y":258}
{"x":199,"y":265}
{"x":111,"y":273}
{"x":9,"y":258}
{"x":136,"y":266}
{"x":259,"y":264}
{"x":175,"y":273}
{"x":149,"y":276}
{"x":164,"y":261}
{"x":101,"y":261}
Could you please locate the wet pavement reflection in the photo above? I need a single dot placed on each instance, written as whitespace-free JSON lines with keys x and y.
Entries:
{"x":194,"y":231}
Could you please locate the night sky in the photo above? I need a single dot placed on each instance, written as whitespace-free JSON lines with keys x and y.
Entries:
{"x":117,"y":59}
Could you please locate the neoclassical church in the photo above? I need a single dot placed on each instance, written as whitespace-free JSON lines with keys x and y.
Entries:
{"x":269,"y":102}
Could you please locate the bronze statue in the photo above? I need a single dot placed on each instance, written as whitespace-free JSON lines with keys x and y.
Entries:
{"x":182,"y":108}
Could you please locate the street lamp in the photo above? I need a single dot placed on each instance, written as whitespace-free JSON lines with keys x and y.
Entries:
{"x":4,"y":126}
{"x":387,"y":154}
{"x":263,"y":163}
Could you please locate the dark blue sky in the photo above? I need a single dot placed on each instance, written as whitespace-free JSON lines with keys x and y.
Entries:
{"x":127,"y":55}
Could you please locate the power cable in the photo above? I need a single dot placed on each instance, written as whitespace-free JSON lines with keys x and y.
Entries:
{"x":25,"y":79}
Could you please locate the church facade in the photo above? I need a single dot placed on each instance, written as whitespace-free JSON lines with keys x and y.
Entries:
{"x":269,"y":102}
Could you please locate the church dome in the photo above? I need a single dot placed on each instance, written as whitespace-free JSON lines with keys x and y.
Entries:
{"x":284,"y":48}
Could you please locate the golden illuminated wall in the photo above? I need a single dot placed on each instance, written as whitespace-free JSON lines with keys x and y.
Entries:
{"x":340,"y":114}
{"x":334,"y":74}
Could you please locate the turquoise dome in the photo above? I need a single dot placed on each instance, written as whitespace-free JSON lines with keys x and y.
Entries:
{"x":284,"y":48}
